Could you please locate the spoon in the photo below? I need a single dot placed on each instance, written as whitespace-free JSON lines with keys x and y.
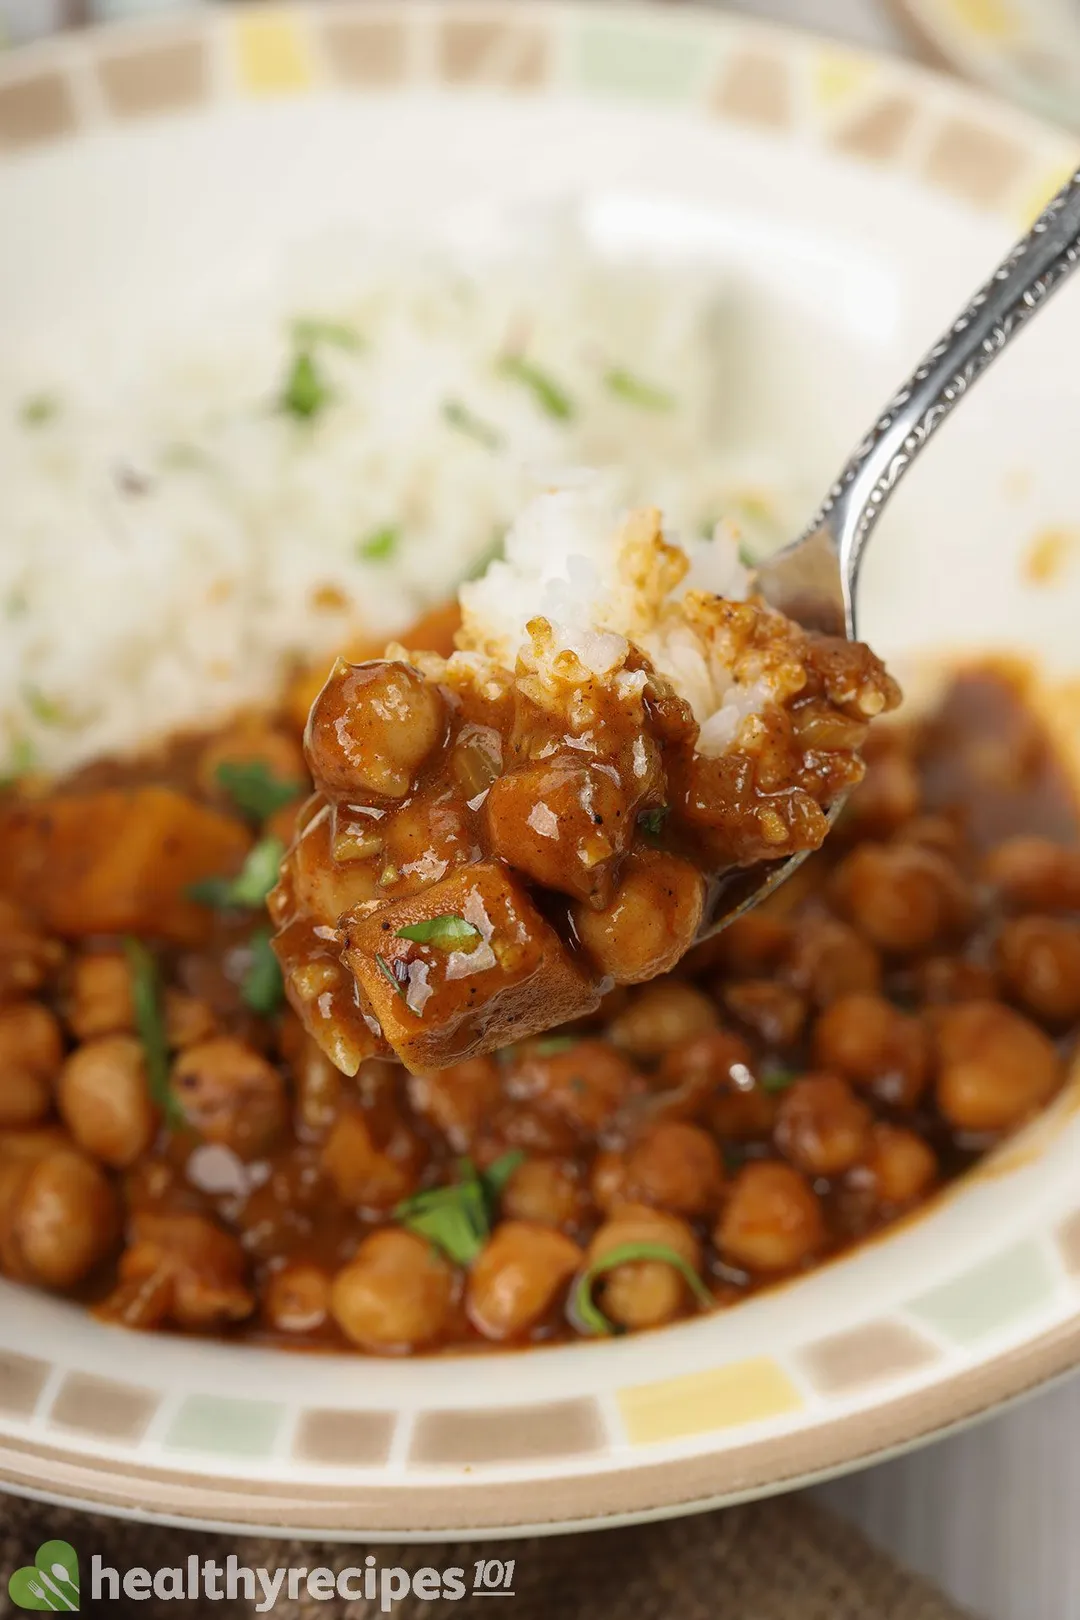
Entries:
{"x":813,"y":580}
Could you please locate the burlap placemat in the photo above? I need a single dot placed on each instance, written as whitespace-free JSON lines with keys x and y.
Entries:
{"x":785,"y":1559}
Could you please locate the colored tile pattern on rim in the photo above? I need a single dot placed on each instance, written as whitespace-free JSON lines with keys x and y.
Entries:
{"x":973,"y":162}
{"x":500,"y":1435}
{"x":641,"y":59}
{"x":503,"y":53}
{"x":103,"y":1408}
{"x":866,"y":1355}
{"x":22,"y":1379}
{"x":879,"y":131}
{"x":160,"y":78}
{"x":273,"y":52}
{"x":365,"y":51}
{"x":990,"y":1297}
{"x":719,"y":1398}
{"x":37,"y":108}
{"x":226,"y":1428}
{"x":755,"y":88}
{"x":338,"y":1438}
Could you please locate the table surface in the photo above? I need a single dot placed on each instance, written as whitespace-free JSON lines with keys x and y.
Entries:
{"x":988,"y":1514}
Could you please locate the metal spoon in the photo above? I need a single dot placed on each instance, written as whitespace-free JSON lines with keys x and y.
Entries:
{"x":813,"y":579}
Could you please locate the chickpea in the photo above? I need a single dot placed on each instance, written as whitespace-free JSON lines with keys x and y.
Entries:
{"x":318,"y":1082}
{"x":104,"y":1102}
{"x":698,"y":1073}
{"x":607,"y":1180}
{"x":994,"y":1066}
{"x":31,"y":1052}
{"x":941,"y":979}
{"x":902,"y":897}
{"x":872,"y":1043}
{"x":231,"y":1094}
{"x":297,"y":1298}
{"x":188,"y":1020}
{"x":829,"y":959}
{"x":1035,"y":874}
{"x":365,"y":1173}
{"x":651,"y":921}
{"x":900,"y":1167}
{"x":677,"y":1167}
{"x":517,"y":1278}
{"x":773,"y":1012}
{"x":888,"y":795}
{"x":99,"y":996}
{"x":183,"y":1268}
{"x":27,"y":956}
{"x":60,"y":1219}
{"x":544,"y":1191}
{"x":660,"y":1016}
{"x":1039,"y":959}
{"x":458,"y":1101}
{"x":821,"y":1126}
{"x":751,"y":947}
{"x":585,"y":1084}
{"x":643,"y":1293}
{"x":371,"y":728}
{"x":772,"y":1221}
{"x":397,"y":1294}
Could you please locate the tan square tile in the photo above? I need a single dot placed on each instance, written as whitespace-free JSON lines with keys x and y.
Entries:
{"x":1068,"y":1237}
{"x":326,"y":1436}
{"x":156,"y":78}
{"x":493,"y":52}
{"x":973,"y":162}
{"x":365,"y":52}
{"x":878,"y":132}
{"x":508,"y":1434}
{"x":21,"y":1381}
{"x":33,"y":109}
{"x":102,"y":1408}
{"x":755,"y":88}
{"x":866,"y":1355}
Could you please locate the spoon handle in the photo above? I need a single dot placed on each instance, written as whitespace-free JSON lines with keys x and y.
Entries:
{"x":1020,"y":286}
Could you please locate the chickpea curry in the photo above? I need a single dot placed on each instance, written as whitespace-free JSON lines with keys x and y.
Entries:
{"x":178,"y":1151}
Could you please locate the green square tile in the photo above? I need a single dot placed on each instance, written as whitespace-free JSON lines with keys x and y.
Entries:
{"x":227,"y":1428}
{"x":639,"y":60}
{"x":990,"y":1297}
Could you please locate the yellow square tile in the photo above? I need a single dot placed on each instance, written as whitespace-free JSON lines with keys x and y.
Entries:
{"x":840,"y":74}
{"x":719,"y":1398}
{"x":272,"y":52}
{"x":989,"y":19}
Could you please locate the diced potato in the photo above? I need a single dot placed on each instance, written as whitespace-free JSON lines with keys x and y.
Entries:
{"x":118,"y":862}
{"x":436,"y":1006}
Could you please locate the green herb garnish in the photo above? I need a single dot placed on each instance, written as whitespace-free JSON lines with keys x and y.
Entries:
{"x":21,"y":759}
{"x":652,"y":821}
{"x":305,"y":391}
{"x":552,"y":1045}
{"x":458,"y":415}
{"x":254,"y":789}
{"x":588,"y":1313}
{"x":389,"y":975}
{"x":311,"y":329}
{"x":457,"y":1219}
{"x":262,"y":987}
{"x":745,"y":555}
{"x":150,"y":1025}
{"x":46,"y":711}
{"x":38,"y":409}
{"x":636,"y":391}
{"x":445,"y":933}
{"x":251,"y":885}
{"x":380,"y":545}
{"x":774,"y":1077}
{"x":548,"y":394}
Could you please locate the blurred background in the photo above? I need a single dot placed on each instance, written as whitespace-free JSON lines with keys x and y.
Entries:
{"x":990,"y":1514}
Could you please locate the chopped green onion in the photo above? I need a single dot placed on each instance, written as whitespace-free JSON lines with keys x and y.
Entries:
{"x":636,"y":391}
{"x":445,"y":933}
{"x":150,"y":1025}
{"x":38,"y":409}
{"x":46,"y":710}
{"x":548,"y":394}
{"x":254,"y":789}
{"x":652,"y":821}
{"x":552,"y":1045}
{"x":746,"y":555}
{"x":16,"y":603}
{"x":21,"y":759}
{"x":380,"y":545}
{"x":457,"y":1219}
{"x":251,"y":885}
{"x":458,"y":415}
{"x":389,"y":975}
{"x":774,"y":1077}
{"x":584,"y":1309}
{"x":262,"y":987}
{"x":309,"y":330}
{"x":305,"y":391}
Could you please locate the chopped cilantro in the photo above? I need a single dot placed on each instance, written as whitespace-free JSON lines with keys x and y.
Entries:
{"x":774,"y":1077}
{"x":22,"y":757}
{"x":262,"y":987}
{"x":380,"y":545}
{"x":251,"y":885}
{"x":636,"y":391}
{"x":38,"y":409}
{"x":552,"y":1045}
{"x":254,"y":789}
{"x":445,"y":933}
{"x":545,"y":390}
{"x":308,"y":330}
{"x":305,"y":392}
{"x":652,"y":821}
{"x":46,"y":711}
{"x":458,"y":415}
{"x":457,"y":1219}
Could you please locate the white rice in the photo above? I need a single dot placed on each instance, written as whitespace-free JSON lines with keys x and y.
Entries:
{"x":168,"y":534}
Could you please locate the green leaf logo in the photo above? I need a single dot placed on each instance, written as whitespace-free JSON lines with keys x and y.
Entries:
{"x":50,"y":1583}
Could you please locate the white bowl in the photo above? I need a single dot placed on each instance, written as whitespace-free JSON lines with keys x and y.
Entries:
{"x":854,"y":203}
